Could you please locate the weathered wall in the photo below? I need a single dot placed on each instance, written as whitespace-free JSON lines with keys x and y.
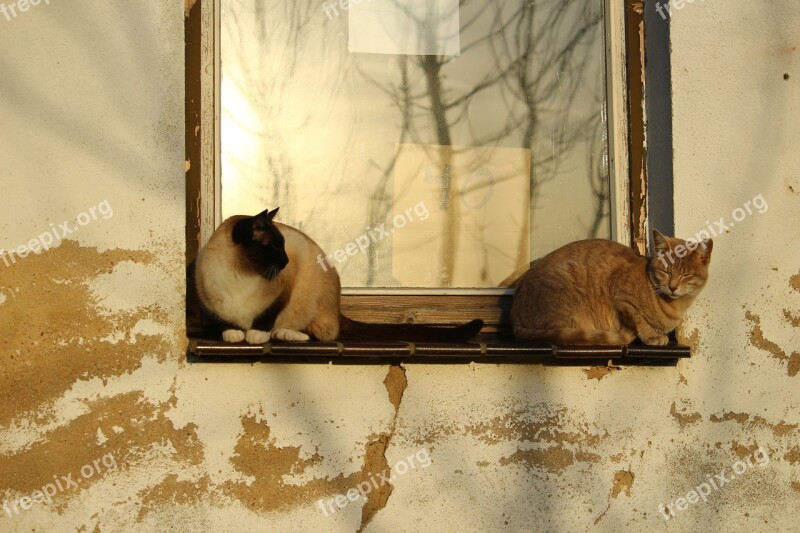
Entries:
{"x":92,"y":349}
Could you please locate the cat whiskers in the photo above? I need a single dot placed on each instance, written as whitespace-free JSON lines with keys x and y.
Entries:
{"x":655,"y":288}
{"x":272,"y":271}
{"x":659,"y":291}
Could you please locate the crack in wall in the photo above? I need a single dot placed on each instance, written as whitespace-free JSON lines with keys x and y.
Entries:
{"x":375,"y":459}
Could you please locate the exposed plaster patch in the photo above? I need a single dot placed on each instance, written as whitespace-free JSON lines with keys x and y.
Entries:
{"x":623,"y":481}
{"x":793,"y":455}
{"x":692,"y":339}
{"x":559,"y":441}
{"x":67,"y":449}
{"x":434,"y":434}
{"x":375,"y":460}
{"x":741,"y":451}
{"x":741,"y":418}
{"x":73,"y":388}
{"x":554,"y":426}
{"x":791,"y":319}
{"x":152,"y":379}
{"x":793,"y":367}
{"x":758,"y":340}
{"x":794,"y":282}
{"x":587,"y":457}
{"x":684,"y":419}
{"x":599,"y":372}
{"x":264,"y":465}
{"x":396,"y":383}
{"x":781,"y":429}
{"x":553,"y":459}
{"x":52,"y":331}
{"x":173,"y":491}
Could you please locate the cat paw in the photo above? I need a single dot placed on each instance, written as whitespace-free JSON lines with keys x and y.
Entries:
{"x":290,"y":335}
{"x":656,"y":340}
{"x":255,"y":336}
{"x":233,"y":335}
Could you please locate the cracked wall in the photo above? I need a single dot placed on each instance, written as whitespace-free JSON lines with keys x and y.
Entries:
{"x":92,"y":351}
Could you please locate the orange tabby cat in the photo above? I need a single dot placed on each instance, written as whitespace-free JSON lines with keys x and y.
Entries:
{"x":600,"y":292}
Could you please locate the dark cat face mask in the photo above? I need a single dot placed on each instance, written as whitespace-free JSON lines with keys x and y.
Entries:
{"x":262,"y":243}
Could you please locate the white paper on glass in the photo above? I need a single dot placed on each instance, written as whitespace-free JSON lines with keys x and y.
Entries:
{"x":405,"y":27}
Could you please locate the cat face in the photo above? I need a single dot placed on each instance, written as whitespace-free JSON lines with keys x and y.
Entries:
{"x":679,"y":268}
{"x":261,"y":243}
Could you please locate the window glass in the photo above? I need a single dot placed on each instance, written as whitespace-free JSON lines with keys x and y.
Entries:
{"x":453,"y":169}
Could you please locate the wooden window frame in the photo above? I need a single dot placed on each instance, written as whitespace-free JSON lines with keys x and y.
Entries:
{"x":625,"y":60}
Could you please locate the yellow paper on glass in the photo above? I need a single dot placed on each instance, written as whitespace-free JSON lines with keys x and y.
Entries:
{"x":461,"y":216}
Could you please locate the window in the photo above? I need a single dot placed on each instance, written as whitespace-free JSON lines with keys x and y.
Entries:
{"x":432,"y":150}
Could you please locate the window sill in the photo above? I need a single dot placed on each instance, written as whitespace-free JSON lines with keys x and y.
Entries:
{"x":208,"y":351}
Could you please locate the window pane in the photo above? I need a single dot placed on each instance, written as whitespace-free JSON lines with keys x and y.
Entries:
{"x":449,"y":170}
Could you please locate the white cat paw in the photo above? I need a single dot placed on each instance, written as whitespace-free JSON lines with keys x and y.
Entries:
{"x":233,"y":335}
{"x":290,"y":335}
{"x":255,"y":336}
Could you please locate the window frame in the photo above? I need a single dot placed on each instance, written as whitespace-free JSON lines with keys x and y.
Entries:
{"x":624,"y":44}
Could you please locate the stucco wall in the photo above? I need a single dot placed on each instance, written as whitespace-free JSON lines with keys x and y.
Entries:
{"x":92,"y":364}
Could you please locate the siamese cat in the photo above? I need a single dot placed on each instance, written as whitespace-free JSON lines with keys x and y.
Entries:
{"x":601,"y":292}
{"x":256,"y":270}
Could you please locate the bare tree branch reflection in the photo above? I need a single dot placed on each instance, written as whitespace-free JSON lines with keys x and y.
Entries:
{"x":530,"y":76}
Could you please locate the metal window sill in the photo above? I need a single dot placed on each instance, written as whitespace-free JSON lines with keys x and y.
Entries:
{"x":207,"y":351}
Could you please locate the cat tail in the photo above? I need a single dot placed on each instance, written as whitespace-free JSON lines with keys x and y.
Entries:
{"x":575,"y":336}
{"x":353,"y":330}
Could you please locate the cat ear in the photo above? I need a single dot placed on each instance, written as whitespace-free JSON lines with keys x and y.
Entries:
{"x":261,"y":220}
{"x":256,"y":226}
{"x":660,"y":241}
{"x":263,"y":214}
{"x":703,"y":251}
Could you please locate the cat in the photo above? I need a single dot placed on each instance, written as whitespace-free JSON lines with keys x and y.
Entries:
{"x":255,"y":270}
{"x":601,"y":292}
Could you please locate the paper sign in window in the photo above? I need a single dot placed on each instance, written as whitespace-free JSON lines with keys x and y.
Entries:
{"x":477,"y":233}
{"x":416,"y":27}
